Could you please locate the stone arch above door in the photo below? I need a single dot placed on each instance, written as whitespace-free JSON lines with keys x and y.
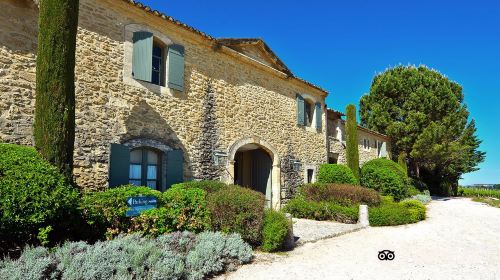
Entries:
{"x":254,"y":140}
{"x":276,"y":170}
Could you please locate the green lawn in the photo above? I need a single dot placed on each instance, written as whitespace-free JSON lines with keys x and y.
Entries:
{"x":488,"y":200}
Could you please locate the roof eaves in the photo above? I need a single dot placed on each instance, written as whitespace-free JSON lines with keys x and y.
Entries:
{"x":206,"y":36}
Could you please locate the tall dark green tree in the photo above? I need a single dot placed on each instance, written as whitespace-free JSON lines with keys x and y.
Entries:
{"x":402,"y":162}
{"x":352,"y":152}
{"x":425,"y":115}
{"x":54,"y":126}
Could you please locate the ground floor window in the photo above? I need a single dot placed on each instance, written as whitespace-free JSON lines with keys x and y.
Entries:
{"x":145,"y":168}
{"x":310,"y":174}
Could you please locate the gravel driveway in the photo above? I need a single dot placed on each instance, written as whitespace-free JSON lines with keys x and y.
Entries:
{"x":459,"y":240}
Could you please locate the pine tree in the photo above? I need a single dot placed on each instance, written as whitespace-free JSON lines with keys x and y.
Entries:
{"x":352,"y":152}
{"x":424,"y":113}
{"x":54,"y":125}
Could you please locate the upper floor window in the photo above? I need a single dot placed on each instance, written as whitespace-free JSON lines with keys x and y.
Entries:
{"x":309,"y":113}
{"x":157,"y":74}
{"x":151,"y":58}
{"x":366,"y":144}
{"x":309,"y":110}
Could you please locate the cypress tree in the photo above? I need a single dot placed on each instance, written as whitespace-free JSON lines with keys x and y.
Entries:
{"x":402,"y":162}
{"x":352,"y":152}
{"x":54,"y":125}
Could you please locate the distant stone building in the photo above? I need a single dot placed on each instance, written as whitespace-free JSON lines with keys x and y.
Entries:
{"x":159,"y":102}
{"x":371,"y":144}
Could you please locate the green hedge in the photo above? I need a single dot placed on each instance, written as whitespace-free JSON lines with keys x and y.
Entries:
{"x":386,"y":177}
{"x":208,"y":186}
{"x":336,"y":173}
{"x":105,"y":211}
{"x":321,"y":211}
{"x":275,"y":231}
{"x":237,"y":209}
{"x":346,"y":195}
{"x":391,"y":213}
{"x":35,"y":198}
{"x":182,"y":210}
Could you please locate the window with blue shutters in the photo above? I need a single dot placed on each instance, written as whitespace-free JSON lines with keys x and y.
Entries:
{"x":300,"y":110}
{"x":152,"y":58}
{"x":176,"y":67}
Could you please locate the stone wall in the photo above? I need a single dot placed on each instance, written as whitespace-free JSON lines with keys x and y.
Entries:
{"x":248,"y":100}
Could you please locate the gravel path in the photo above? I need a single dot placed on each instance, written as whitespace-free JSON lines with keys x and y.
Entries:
{"x":459,"y":240}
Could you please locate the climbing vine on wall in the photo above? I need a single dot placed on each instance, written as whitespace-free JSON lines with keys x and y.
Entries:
{"x":291,"y":177}
{"x":209,"y":140}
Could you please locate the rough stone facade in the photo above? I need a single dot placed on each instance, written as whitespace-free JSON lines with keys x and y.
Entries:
{"x":252,"y":100}
{"x":337,"y":146}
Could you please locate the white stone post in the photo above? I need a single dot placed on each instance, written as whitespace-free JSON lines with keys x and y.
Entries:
{"x":363,"y":216}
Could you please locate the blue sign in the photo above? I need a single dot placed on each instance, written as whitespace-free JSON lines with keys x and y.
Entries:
{"x":138,"y":204}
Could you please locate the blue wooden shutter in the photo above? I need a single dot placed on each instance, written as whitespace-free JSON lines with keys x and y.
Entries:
{"x":142,"y":58}
{"x":175,"y":163}
{"x":319,"y":112}
{"x":301,"y":118}
{"x":119,"y":162}
{"x":176,"y":67}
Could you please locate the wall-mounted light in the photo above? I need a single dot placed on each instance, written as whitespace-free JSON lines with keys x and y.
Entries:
{"x":296,"y":165}
{"x":220,"y":158}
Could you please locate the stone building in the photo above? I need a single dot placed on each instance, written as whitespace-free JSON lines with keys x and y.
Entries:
{"x":159,"y":102}
{"x":371,"y":144}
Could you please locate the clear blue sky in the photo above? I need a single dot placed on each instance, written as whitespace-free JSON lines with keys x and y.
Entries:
{"x":341,"y":45}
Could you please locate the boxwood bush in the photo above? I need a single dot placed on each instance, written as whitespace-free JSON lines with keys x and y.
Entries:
{"x":321,"y":211}
{"x":336,"y":173}
{"x":237,"y":209}
{"x":173,"y":256}
{"x":207,"y":185}
{"x":391,"y":213}
{"x":343,"y":194}
{"x":275,"y":231}
{"x":35,"y":199}
{"x":386,"y":177}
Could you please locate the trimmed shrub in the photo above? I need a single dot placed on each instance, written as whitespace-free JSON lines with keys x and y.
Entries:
{"x":336,"y":173}
{"x":386,"y":177}
{"x":237,"y":209}
{"x":177,"y":256}
{"x":390,"y":213}
{"x":423,"y":198}
{"x":183,"y":210}
{"x":416,"y":208}
{"x":208,"y":186}
{"x":275,"y":231}
{"x":188,"y":208}
{"x":34,"y":198}
{"x":34,"y":263}
{"x":214,"y":253}
{"x":321,"y":211}
{"x":105,"y":211}
{"x":346,"y":195}
{"x":412,"y":191}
